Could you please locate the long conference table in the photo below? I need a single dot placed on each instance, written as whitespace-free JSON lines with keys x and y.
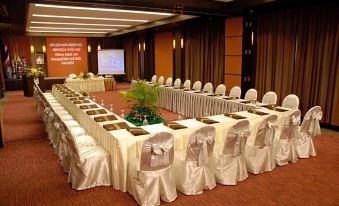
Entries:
{"x":124,"y":146}
{"x":96,"y":84}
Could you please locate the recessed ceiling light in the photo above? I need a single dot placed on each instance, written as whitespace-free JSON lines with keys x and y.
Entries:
{"x":79,"y":24}
{"x":71,"y":32}
{"x":87,"y":17}
{"x":102,"y":9}
{"x":47,"y":27}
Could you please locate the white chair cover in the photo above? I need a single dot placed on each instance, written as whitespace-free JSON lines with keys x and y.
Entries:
{"x":208,"y":88}
{"x":169,"y":81}
{"x":291,"y":101}
{"x":220,"y":90}
{"x":90,"y":166}
{"x":197,"y":86}
{"x":269,"y":98}
{"x":195,"y":172}
{"x":90,"y":74}
{"x":284,"y":149}
{"x":177,"y":82}
{"x":260,"y":156}
{"x":187,"y":84}
{"x":161,"y":80}
{"x":235,"y":92}
{"x":151,"y":177}
{"x":310,"y":127}
{"x":72,"y":76}
{"x":251,"y":94}
{"x":230,"y":166}
{"x":154,"y":79}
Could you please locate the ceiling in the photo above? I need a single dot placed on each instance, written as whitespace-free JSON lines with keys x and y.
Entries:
{"x":113,"y":18}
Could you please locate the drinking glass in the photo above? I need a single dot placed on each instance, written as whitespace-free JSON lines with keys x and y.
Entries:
{"x":111,"y":107}
{"x":102,"y":102}
{"x":145,"y":122}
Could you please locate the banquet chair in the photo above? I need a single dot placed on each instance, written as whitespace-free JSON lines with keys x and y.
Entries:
{"x":259,"y":156}
{"x":177,"y":82}
{"x":169,"y":81}
{"x":251,"y":94}
{"x":197,"y":86}
{"x":187,"y":84}
{"x":269,"y":98}
{"x":230,"y":166}
{"x":72,"y":76}
{"x":194,"y":171}
{"x":309,"y":129}
{"x":154,"y":79}
{"x":208,"y":88}
{"x":291,"y":101}
{"x":235,"y":92}
{"x":284,"y":149}
{"x":220,"y":90}
{"x":161,"y":80}
{"x":150,"y":177}
{"x":90,"y":165}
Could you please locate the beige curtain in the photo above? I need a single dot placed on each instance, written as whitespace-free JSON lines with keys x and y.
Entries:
{"x":297,"y":52}
{"x":204,"y":50}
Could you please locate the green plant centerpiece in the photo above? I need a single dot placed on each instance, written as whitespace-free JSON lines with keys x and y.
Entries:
{"x":34,"y":72}
{"x":146,"y":97}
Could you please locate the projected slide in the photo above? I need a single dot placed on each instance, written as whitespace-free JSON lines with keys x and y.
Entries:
{"x":111,"y":61}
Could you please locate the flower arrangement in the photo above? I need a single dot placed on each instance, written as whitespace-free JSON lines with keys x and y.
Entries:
{"x":83,"y":76}
{"x":34,"y":72}
{"x":146,"y":97}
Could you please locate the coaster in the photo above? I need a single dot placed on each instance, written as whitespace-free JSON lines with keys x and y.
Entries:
{"x":206,"y":120}
{"x":234,"y":116}
{"x":116,"y":126}
{"x":174,"y":125}
{"x":105,"y":118}
{"x":94,"y":112}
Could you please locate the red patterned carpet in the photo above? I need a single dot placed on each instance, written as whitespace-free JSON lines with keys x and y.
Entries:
{"x":30,"y":173}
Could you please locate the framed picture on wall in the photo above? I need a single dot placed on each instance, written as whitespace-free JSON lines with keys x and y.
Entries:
{"x":39,"y":59}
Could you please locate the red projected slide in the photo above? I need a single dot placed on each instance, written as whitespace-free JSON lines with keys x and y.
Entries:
{"x":66,"y":55}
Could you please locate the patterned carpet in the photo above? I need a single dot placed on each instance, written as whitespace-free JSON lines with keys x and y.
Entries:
{"x":30,"y":173}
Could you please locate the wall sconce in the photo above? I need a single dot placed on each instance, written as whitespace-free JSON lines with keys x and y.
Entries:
{"x":144,"y":46}
{"x":99,"y":47}
{"x":173,"y":43}
{"x":182,"y":43}
{"x":32,"y":49}
{"x":43,"y":49}
{"x":89,"y":49}
{"x":139,"y":46}
{"x":252,"y":38}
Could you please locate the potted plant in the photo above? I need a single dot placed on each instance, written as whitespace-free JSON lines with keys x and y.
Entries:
{"x":146,"y":97}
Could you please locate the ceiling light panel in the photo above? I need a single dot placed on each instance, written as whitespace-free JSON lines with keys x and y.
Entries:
{"x":78,"y":24}
{"x":69,"y":28}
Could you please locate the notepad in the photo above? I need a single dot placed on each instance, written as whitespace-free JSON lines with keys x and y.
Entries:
{"x":72,"y":95}
{"x":234,"y":116}
{"x":136,"y":131}
{"x":206,"y":120}
{"x":197,"y":92}
{"x":105,"y":118}
{"x":116,"y":126}
{"x":174,"y":125}
{"x":275,"y":108}
{"x":231,"y":98}
{"x":94,"y":112}
{"x":257,"y":112}
{"x":81,"y":101}
{"x":90,"y":106}
{"x":77,"y":98}
{"x":246,"y":102}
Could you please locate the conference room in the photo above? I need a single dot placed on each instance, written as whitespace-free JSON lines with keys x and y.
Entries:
{"x":205,"y":102}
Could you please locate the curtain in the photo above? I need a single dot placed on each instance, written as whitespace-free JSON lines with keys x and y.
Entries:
{"x":204,"y":50}
{"x":130,"y":44}
{"x":297,"y":52}
{"x":18,"y":46}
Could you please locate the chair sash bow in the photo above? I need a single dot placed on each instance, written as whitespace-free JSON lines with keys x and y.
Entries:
{"x":314,"y":128}
{"x":160,"y":153}
{"x":240,"y":142}
{"x":203,"y":154}
{"x":270,"y":132}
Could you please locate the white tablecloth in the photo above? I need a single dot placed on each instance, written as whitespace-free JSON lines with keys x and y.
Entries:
{"x":96,"y":84}
{"x":123,"y":146}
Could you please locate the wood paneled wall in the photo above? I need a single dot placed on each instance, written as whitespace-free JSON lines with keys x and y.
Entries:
{"x":164,"y":54}
{"x":233,"y":52}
